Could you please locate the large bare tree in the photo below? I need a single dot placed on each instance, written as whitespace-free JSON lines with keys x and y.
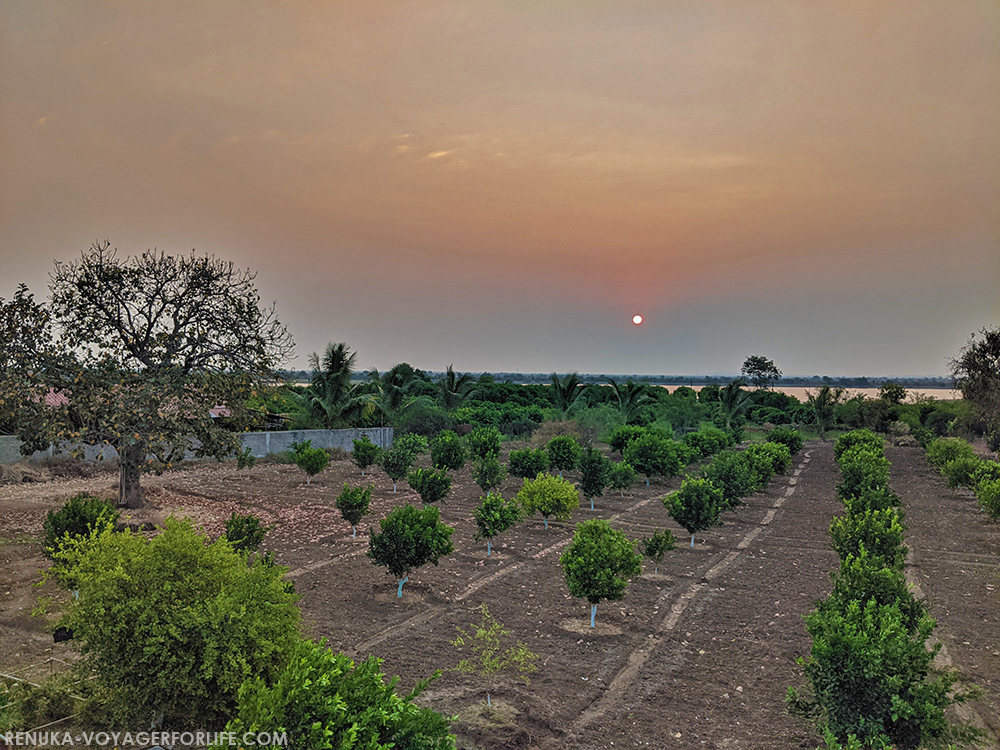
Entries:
{"x":158,"y":341}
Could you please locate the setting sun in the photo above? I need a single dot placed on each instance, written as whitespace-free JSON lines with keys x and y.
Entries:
{"x":637,"y":319}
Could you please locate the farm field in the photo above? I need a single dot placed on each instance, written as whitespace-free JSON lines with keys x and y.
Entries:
{"x":699,"y":654}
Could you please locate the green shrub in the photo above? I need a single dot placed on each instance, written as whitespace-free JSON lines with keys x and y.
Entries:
{"x":550,"y":496}
{"x":862,"y":577}
{"x":493,"y":516}
{"x":526,"y":462}
{"x":861,"y":468}
{"x":880,"y":532}
{"x":733,"y":475}
{"x":366,"y":453}
{"x":81,"y":515}
{"x":620,"y":438}
{"x":408,"y":539}
{"x":245,"y":532}
{"x":857,"y":437}
{"x":653,"y":455}
{"x":777,"y":456}
{"x":311,"y":460}
{"x":786,"y":436}
{"x":245,"y":459}
{"x":962,"y":472}
{"x":598,"y":563}
{"x":707,"y":441}
{"x":564,"y":453}
{"x":431,"y":484}
{"x":488,"y":472}
{"x":988,"y":494}
{"x":870,"y":676}
{"x":427,"y":421}
{"x":987,"y":470}
{"x":621,"y":477}
{"x":175,"y":624}
{"x":447,"y":451}
{"x":696,"y":506}
{"x":484,"y":441}
{"x":943,"y":450}
{"x":415,"y":444}
{"x":353,"y":504}
{"x":656,"y":546}
{"x":872,"y":498}
{"x":322,"y":699}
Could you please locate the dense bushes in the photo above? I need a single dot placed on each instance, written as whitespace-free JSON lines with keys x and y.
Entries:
{"x":869,"y":669}
{"x":526,"y":462}
{"x":786,"y":436}
{"x":963,"y":468}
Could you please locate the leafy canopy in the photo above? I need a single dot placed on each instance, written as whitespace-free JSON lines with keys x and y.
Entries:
{"x":599,"y":562}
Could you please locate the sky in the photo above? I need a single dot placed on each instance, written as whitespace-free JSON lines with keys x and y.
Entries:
{"x":501,"y":186}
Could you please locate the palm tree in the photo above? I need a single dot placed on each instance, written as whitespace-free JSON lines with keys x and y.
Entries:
{"x":393,"y":392}
{"x":823,"y":403}
{"x":455,"y":388}
{"x":567,"y":393}
{"x":733,"y":400}
{"x":631,"y":397}
{"x":330,"y":395}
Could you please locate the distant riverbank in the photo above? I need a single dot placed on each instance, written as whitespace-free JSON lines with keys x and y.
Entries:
{"x":799,"y":392}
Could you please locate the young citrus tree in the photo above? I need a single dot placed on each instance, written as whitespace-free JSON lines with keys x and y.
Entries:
{"x":366,"y":453}
{"x":396,"y":463}
{"x":494,"y":516}
{"x":488,"y":472}
{"x":564,"y":453}
{"x":488,"y":640}
{"x":447,"y":451}
{"x":595,"y":471}
{"x":431,"y":484}
{"x":353,"y":504}
{"x":598,"y":563}
{"x":409,"y":539}
{"x":245,"y":532}
{"x":621,"y":477}
{"x":312,"y":461}
{"x":484,"y":441}
{"x":526,"y":462}
{"x":696,"y":506}
{"x":656,"y":546}
{"x":550,"y":496}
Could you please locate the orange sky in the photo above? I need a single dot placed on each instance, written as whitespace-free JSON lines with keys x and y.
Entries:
{"x":503,"y":185}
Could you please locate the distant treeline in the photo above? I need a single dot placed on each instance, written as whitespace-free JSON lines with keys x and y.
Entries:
{"x":689,"y":380}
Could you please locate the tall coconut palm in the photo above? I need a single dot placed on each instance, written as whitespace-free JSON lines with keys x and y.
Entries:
{"x":330,"y":395}
{"x":567,"y":393}
{"x":631,"y":397}
{"x":394,"y":391}
{"x":454,"y":389}
{"x":733,"y":400}
{"x":823,"y":403}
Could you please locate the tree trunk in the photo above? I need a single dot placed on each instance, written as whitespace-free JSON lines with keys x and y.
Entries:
{"x":129,"y":460}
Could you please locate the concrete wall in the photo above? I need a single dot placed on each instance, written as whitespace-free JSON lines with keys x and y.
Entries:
{"x":260,"y":443}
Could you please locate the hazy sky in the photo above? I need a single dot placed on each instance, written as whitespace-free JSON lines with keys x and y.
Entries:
{"x":502,"y":185}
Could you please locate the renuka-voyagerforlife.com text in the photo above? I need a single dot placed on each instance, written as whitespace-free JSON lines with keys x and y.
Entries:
{"x":144,"y":739}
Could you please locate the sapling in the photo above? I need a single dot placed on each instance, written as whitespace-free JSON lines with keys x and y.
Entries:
{"x":494,"y":516}
{"x":656,"y":546}
{"x":550,"y":496}
{"x":595,"y":470}
{"x":245,"y":459}
{"x":312,"y":461}
{"x":408,"y":539}
{"x":412,"y":442}
{"x":353,"y":504}
{"x":621,"y":477}
{"x":366,"y":453}
{"x":696,"y":506}
{"x":396,"y":462}
{"x":487,"y":640}
{"x":484,"y":441}
{"x":245,"y":532}
{"x":527,"y":462}
{"x":598,"y":563}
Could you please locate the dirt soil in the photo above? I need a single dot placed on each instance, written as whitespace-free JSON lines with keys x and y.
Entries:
{"x":697,"y":655}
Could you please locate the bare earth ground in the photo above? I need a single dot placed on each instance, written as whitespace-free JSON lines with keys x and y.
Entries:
{"x":697,"y":656}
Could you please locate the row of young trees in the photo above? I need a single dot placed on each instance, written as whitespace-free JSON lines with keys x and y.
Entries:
{"x":870,"y":671}
{"x":957,"y":461}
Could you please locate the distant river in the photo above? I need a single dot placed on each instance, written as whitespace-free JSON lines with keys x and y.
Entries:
{"x":800,"y":392}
